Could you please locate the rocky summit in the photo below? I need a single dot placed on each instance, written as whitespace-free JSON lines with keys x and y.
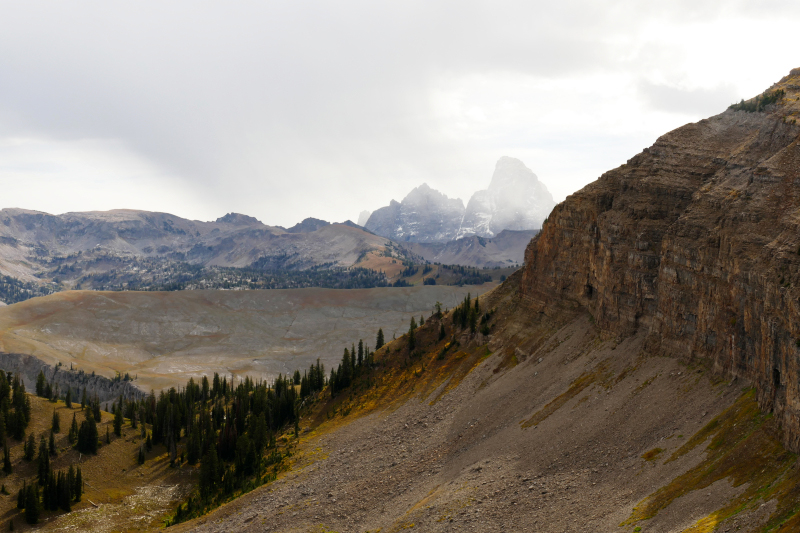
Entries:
{"x":424,"y":215}
{"x":515,"y":200}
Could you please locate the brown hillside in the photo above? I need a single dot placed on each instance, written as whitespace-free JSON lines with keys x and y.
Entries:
{"x":166,"y":337}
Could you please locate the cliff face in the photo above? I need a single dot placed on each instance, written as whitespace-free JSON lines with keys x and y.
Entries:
{"x":697,"y":240}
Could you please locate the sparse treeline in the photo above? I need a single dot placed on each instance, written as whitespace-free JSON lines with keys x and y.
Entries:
{"x":353,"y":361}
{"x":230,"y":430}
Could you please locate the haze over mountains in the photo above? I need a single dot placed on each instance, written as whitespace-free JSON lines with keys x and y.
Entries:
{"x":514,"y":200}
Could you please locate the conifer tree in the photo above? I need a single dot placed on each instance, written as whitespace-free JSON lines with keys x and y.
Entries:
{"x":51,"y":445}
{"x":379,"y":339}
{"x":118,"y":421}
{"x":30,"y":448}
{"x":78,"y":488}
{"x":23,"y":495}
{"x":7,"y":468}
{"x":44,"y":462}
{"x":32,"y":506}
{"x":73,"y":431}
{"x":68,"y":399}
{"x":41,"y":384}
{"x":56,"y":426}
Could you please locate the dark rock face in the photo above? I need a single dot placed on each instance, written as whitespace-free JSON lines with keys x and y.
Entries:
{"x":697,"y":240}
{"x":425,"y":215}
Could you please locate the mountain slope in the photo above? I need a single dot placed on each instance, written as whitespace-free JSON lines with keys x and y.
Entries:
{"x":505,"y":249}
{"x":34,"y":244}
{"x":696,"y":241}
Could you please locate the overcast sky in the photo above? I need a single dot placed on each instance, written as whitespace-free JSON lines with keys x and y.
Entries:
{"x":284,"y":110}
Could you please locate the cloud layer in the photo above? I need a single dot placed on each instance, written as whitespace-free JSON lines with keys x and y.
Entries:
{"x":283,"y":110}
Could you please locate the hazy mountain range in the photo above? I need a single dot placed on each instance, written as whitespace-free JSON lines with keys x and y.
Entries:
{"x":514,"y":200}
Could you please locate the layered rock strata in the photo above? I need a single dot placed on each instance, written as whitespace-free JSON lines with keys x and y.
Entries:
{"x":696,"y":240}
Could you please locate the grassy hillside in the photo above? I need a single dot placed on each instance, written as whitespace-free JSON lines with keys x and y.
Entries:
{"x":120,"y":494}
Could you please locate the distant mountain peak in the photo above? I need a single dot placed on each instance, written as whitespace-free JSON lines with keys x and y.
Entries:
{"x":515,"y":200}
{"x":308,"y":225}
{"x":239,"y":219}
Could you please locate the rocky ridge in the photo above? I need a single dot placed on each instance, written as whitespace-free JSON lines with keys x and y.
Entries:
{"x":35,"y":246}
{"x":424,"y":215}
{"x":695,"y":241}
{"x":515,"y":200}
{"x":504,"y":249}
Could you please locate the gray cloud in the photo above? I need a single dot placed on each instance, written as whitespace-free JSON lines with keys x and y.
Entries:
{"x":699,"y":101}
{"x":292,"y":109}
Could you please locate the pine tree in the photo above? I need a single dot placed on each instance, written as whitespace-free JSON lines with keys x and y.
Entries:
{"x":32,"y":506}
{"x":118,"y":421}
{"x":44,"y":462}
{"x":83,"y":399}
{"x":23,"y":495}
{"x":30,"y":448}
{"x":87,"y":434}
{"x":73,"y":431}
{"x":442,"y":332}
{"x":140,"y":458}
{"x":68,"y":399}
{"x":41,"y":384}
{"x":379,"y":339}
{"x":52,"y":444}
{"x":7,"y":468}
{"x":78,"y":488}
{"x":56,"y":426}
{"x":360,"y":352}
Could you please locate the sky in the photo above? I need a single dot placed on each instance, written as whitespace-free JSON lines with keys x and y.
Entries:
{"x":286,"y":110}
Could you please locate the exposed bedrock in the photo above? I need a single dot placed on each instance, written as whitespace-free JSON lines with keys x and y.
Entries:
{"x":695,"y":239}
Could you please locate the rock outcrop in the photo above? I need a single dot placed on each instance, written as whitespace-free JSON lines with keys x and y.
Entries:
{"x":696,"y":240}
